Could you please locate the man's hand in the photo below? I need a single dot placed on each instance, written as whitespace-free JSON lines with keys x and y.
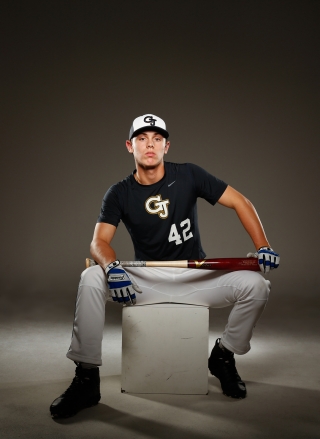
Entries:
{"x":120,"y":285}
{"x":268,"y":259}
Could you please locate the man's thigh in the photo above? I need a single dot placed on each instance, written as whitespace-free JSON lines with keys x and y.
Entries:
{"x":216,"y":289}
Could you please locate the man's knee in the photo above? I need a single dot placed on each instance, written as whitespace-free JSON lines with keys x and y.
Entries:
{"x":93,"y":277}
{"x":259,"y":287}
{"x":252,"y":286}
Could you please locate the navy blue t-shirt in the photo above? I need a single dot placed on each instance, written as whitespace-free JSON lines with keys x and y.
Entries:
{"x":161,"y":218}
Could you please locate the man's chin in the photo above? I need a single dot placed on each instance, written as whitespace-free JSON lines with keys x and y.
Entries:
{"x":150,"y":166}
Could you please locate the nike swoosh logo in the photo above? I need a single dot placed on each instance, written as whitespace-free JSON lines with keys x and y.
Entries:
{"x":171,"y":183}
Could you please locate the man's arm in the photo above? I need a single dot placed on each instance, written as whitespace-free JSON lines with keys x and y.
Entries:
{"x":100,"y":247}
{"x":247,"y":215}
{"x":119,"y":283}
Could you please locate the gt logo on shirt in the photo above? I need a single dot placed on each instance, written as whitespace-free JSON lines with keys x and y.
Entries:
{"x":155,"y":205}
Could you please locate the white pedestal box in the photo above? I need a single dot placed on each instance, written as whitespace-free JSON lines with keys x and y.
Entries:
{"x":165,"y":349}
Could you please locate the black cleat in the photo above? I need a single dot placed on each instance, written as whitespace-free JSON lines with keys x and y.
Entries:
{"x":84,"y":391}
{"x":222,"y":365}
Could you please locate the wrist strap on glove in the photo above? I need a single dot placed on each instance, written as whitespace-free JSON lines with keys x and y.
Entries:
{"x":113,"y":264}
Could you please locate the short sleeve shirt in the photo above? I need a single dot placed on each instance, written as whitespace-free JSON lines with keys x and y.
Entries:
{"x":161,"y":218}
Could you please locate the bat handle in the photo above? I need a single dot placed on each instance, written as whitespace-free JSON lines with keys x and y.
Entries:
{"x":90,"y":262}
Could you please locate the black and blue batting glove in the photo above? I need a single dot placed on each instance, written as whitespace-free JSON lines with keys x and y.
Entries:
{"x":268,"y":259}
{"x":120,"y":284}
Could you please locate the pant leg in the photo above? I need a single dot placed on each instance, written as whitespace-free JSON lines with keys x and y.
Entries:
{"x":246,"y":291}
{"x":89,"y":317}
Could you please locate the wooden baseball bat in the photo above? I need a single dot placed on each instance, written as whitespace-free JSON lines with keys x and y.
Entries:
{"x":231,"y":264}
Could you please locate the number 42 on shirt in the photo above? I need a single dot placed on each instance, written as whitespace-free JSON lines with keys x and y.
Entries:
{"x":174,"y":235}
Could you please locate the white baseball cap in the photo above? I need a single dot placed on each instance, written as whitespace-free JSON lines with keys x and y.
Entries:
{"x":148,"y":122}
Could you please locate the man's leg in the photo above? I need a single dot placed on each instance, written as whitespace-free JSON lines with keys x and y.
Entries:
{"x":89,"y":317}
{"x":250,"y":292}
{"x":246,"y":291}
{"x":85,"y":348}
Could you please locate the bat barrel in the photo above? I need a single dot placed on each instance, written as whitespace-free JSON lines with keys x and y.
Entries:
{"x":231,"y":264}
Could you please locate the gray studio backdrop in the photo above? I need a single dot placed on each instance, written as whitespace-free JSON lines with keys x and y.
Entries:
{"x":237,"y":83}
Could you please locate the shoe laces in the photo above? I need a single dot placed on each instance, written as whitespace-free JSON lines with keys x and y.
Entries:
{"x":77,"y":381}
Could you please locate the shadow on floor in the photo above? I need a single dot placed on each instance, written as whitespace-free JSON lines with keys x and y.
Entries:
{"x":270,"y":411}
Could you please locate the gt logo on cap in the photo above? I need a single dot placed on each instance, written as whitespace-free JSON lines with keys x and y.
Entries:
{"x":150,"y":120}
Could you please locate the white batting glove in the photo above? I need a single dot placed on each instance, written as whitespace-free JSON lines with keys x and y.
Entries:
{"x":120,"y":284}
{"x":268,"y":259}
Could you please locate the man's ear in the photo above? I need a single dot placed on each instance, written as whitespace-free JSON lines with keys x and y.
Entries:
{"x":166,"y":147}
{"x":129,"y":146}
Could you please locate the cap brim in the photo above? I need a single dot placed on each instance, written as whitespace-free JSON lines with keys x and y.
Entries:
{"x":161,"y":131}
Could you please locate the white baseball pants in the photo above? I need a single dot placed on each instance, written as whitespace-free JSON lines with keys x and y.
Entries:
{"x":246,"y":291}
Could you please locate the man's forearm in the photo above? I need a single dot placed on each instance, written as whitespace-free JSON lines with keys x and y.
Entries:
{"x":102,"y":252}
{"x":251,"y":222}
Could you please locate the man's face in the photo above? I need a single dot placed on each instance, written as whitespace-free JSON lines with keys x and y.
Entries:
{"x":148,"y":149}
